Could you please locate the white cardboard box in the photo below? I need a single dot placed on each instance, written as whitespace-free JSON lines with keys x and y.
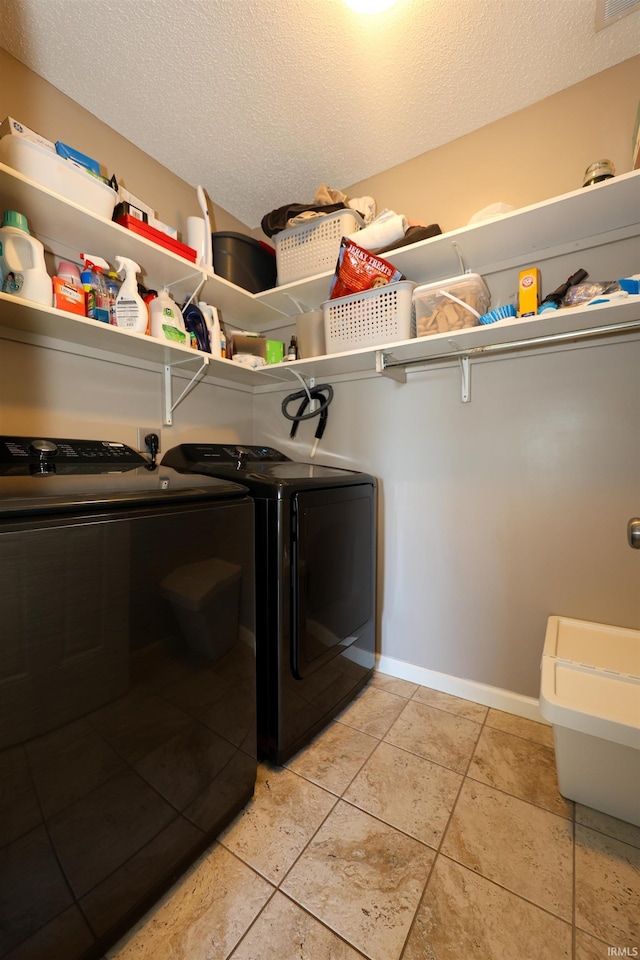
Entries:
{"x":17,"y":129}
{"x":590,"y":692}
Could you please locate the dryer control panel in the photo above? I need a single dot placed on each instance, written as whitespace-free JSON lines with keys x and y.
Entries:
{"x":228,"y":453}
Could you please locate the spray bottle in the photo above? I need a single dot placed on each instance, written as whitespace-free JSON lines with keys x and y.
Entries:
{"x":166,"y":319}
{"x":212,"y":321}
{"x":131,"y":310}
{"x":95,"y":288}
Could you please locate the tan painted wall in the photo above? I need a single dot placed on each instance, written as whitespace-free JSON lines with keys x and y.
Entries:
{"x":529,"y":156}
{"x":39,"y":105}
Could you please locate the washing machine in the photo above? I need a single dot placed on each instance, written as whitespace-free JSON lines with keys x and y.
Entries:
{"x":315,"y":584}
{"x":127,"y":685}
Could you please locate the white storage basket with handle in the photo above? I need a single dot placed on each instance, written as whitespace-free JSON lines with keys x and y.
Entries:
{"x":313,"y":247}
{"x":369,"y":318}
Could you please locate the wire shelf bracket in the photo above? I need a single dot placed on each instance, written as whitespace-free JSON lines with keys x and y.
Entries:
{"x":168,"y":402}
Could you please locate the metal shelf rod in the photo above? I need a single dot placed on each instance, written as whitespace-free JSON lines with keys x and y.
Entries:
{"x":387,"y":361}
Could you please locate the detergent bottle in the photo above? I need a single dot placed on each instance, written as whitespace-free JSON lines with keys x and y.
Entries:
{"x":212,"y":321}
{"x":22,"y":267}
{"x":95,"y":287}
{"x":167,"y":322}
{"x":195,"y":324}
{"x":131,"y":310}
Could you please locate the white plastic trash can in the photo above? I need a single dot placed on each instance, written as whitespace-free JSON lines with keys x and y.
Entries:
{"x":590,"y":693}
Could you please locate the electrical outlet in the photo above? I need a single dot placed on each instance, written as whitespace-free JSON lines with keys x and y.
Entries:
{"x":142,"y":433}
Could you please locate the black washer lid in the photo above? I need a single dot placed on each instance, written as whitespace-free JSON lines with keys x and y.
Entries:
{"x":53,"y":475}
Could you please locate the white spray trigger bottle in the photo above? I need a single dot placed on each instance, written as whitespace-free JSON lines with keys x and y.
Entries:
{"x":131,"y":310}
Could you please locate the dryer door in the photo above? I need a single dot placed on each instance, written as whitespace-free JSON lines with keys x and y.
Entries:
{"x":333,"y":573}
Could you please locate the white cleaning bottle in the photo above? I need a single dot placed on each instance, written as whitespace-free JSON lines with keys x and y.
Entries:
{"x":22,"y":267}
{"x":131,"y":310}
{"x":212,"y":320}
{"x":167,"y":322}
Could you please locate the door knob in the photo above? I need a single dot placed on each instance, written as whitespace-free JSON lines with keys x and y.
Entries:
{"x":633,"y":533}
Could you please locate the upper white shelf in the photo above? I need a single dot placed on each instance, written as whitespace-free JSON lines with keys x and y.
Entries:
{"x":67,"y":229}
{"x":584,"y":218}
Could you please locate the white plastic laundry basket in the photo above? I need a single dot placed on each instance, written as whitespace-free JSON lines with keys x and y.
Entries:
{"x":369,"y":318}
{"x":313,"y":247}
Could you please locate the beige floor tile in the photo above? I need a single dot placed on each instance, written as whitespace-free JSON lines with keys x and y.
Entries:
{"x":334,"y":757}
{"x":611,"y":826}
{"x":363,"y":879}
{"x":607,"y":888}
{"x":275,"y":826}
{"x":588,"y":948}
{"x":520,"y":727}
{"x":465,"y":916}
{"x":406,"y":791}
{"x":373,"y":711}
{"x":445,"y":701}
{"x":400,"y":688}
{"x":521,"y":847}
{"x":284,"y":931}
{"x":203,"y":916}
{"x":523,"y":768}
{"x":435,"y":734}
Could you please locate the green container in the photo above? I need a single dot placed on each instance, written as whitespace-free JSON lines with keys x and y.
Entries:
{"x":274,"y":351}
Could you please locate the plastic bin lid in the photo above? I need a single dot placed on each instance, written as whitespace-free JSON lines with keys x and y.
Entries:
{"x":463,"y":282}
{"x":591,"y":679}
{"x":232,"y":235}
{"x":595,"y":644}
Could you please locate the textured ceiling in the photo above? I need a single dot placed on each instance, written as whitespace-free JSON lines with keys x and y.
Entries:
{"x":262,"y":100}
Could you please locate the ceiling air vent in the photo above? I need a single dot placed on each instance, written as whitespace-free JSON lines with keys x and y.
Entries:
{"x":608,"y":11}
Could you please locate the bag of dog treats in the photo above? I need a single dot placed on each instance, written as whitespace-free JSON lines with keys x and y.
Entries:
{"x":358,"y":270}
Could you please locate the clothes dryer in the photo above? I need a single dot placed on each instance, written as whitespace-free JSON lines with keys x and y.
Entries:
{"x":315,"y":584}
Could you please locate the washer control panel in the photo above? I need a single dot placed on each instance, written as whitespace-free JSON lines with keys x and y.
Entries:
{"x":39,"y":449}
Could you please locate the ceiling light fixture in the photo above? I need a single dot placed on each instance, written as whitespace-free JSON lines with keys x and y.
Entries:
{"x":369,"y":6}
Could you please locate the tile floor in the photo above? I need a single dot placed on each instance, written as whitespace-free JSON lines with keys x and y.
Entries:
{"x":416,"y":826}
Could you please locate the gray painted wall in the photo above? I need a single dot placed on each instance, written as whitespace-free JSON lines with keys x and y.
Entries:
{"x":497,"y":513}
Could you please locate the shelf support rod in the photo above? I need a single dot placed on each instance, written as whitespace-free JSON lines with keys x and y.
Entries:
{"x":169,"y":406}
{"x":385,"y":366}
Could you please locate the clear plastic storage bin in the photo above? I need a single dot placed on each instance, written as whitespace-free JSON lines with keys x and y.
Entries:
{"x":590,"y":692}
{"x":369,"y":318}
{"x":313,"y":247}
{"x":437,"y":305}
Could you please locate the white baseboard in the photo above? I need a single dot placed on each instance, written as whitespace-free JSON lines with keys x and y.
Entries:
{"x":506,"y":700}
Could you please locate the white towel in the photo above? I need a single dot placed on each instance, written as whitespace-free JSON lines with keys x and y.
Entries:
{"x":385,"y":229}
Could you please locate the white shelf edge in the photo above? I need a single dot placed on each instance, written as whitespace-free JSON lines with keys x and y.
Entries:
{"x":18,"y":315}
